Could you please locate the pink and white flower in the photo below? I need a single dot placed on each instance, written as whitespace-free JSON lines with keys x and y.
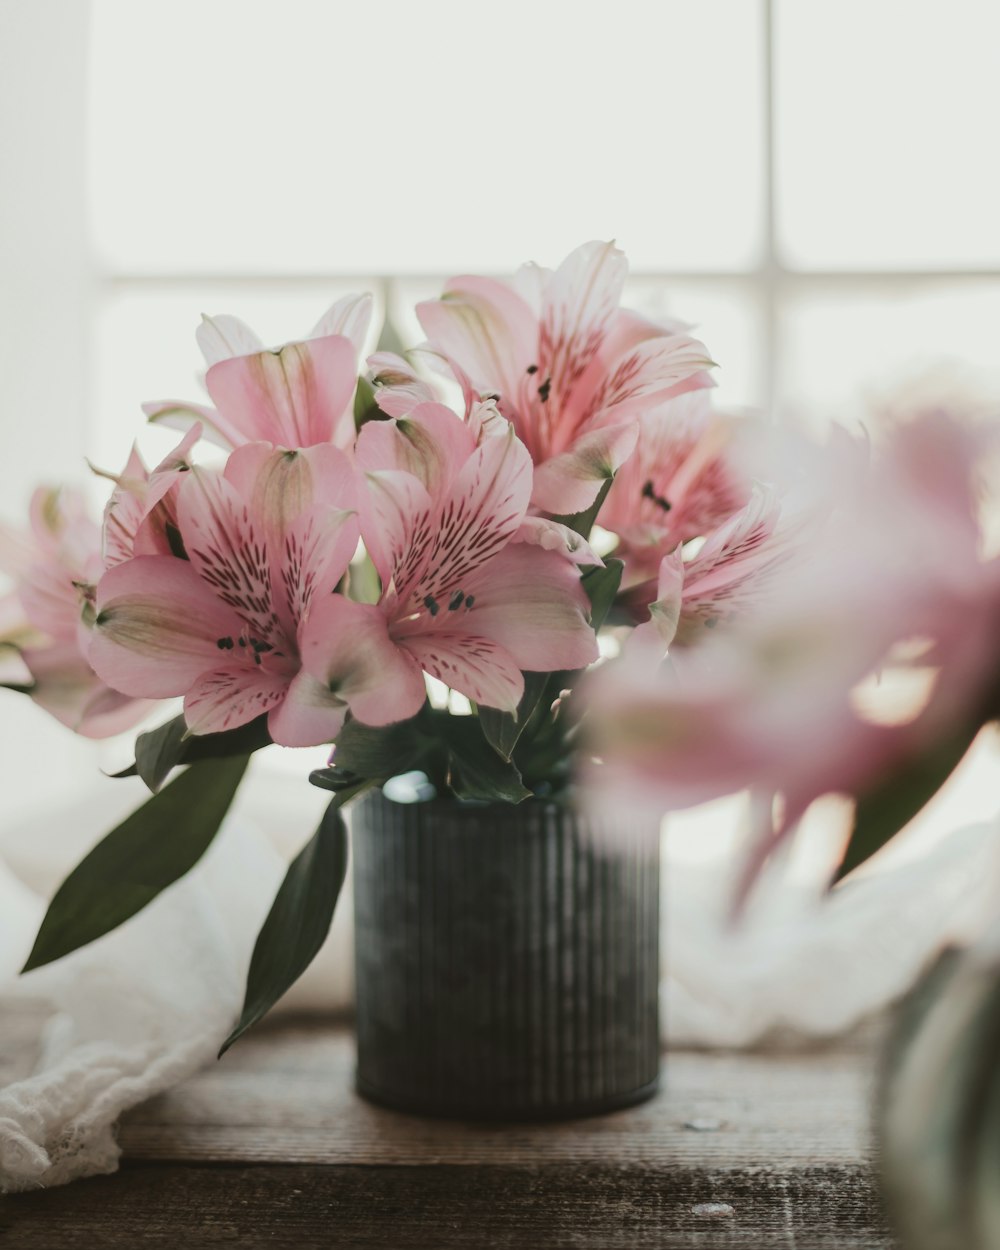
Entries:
{"x":683,"y":481}
{"x":45,"y":615}
{"x":468,"y":594}
{"x":570,"y":369}
{"x":267,"y":542}
{"x":299,"y":395}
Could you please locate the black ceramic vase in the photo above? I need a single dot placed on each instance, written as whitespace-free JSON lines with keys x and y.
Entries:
{"x":507,"y":961}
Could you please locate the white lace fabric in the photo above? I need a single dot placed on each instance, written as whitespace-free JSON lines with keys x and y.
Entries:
{"x":141,"y":1009}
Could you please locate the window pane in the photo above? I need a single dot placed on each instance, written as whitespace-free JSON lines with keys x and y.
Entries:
{"x":887,"y":116}
{"x":146,"y":350}
{"x":237,"y":136}
{"x":842,"y":351}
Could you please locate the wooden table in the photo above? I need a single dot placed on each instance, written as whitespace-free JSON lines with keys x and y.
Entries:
{"x":272,"y":1148}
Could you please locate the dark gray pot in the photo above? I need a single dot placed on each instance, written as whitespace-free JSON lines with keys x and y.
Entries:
{"x":506,"y":968}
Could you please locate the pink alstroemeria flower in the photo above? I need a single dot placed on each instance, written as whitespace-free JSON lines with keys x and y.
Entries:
{"x":471,"y":594}
{"x":267,"y":541}
{"x":724,"y":579}
{"x":300,"y":395}
{"x":683,"y":481}
{"x":895,"y":582}
{"x":572,"y":371}
{"x":43,"y":617}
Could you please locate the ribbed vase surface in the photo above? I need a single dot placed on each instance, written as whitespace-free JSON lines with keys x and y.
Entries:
{"x":507,"y":959}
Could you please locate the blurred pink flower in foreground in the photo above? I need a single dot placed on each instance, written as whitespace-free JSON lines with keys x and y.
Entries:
{"x":570,"y":369}
{"x":473,"y":592}
{"x":299,"y":395}
{"x":775,"y":701}
{"x":53,"y":567}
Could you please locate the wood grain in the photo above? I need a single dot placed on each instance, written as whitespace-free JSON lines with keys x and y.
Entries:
{"x":271,"y":1147}
{"x":288,"y":1097}
{"x":450,"y":1208}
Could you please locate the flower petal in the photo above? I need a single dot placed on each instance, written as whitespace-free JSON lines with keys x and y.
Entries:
{"x":654,"y":370}
{"x":231,"y":695}
{"x":69,"y":689}
{"x":396,"y":525}
{"x":398,"y":387}
{"x":531,"y":602}
{"x":227,"y":545}
{"x":431,"y":442}
{"x":475,"y":666}
{"x":578,"y":303}
{"x":294,"y":397}
{"x":570,"y":483}
{"x":178,"y":414}
{"x":224,"y":337}
{"x":487,"y":328}
{"x":731,"y":569}
{"x":555,"y":537}
{"x":157,"y":627}
{"x":350,"y":661}
{"x":279,"y":485}
{"x":350,"y":317}
{"x":480,"y":515}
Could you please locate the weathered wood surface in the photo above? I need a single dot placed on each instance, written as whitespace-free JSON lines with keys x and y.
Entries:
{"x":272,"y":1148}
{"x":288,"y":1098}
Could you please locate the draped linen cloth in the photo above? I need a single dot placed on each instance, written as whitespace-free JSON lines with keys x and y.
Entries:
{"x":144,"y":1007}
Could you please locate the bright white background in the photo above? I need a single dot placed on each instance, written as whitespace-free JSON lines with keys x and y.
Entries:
{"x":811,"y":181}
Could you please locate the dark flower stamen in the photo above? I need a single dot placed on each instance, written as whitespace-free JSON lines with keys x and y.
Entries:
{"x":649,"y":492}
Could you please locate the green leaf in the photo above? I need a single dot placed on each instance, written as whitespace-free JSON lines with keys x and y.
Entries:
{"x":884,"y":809}
{"x":380,"y":753}
{"x":601,"y":585}
{"x":476,"y":771}
{"x":299,"y":919}
{"x":17,"y":687}
{"x":365,"y":407}
{"x":149,"y":851}
{"x":159,"y":750}
{"x":503,"y":730}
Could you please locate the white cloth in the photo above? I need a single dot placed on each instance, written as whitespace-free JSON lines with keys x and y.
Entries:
{"x":141,"y":1009}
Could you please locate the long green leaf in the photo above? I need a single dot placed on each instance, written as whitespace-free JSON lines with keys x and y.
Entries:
{"x":882,"y":811}
{"x":299,"y":919}
{"x":149,"y":851}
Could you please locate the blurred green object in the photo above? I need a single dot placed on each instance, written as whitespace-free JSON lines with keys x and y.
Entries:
{"x":939,"y":1106}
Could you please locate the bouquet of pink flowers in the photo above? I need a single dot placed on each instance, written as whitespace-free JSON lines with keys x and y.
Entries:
{"x":361,"y":537}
